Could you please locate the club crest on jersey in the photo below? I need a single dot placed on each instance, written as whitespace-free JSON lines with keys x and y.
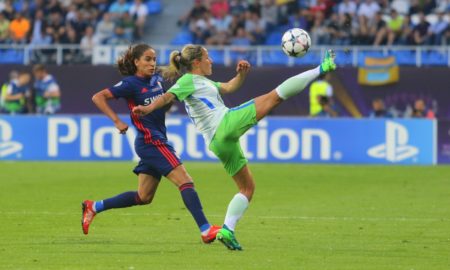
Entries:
{"x":144,"y":90}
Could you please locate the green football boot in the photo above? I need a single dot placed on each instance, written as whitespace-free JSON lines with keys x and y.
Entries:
{"x":227,"y":238}
{"x":328,"y":62}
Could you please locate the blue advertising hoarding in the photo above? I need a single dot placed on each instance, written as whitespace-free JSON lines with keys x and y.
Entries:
{"x":274,"y":139}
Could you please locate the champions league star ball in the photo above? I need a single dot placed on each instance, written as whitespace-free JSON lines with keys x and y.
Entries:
{"x":295,"y":42}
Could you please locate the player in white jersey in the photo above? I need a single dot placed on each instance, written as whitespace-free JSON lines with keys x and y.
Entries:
{"x":222,"y":127}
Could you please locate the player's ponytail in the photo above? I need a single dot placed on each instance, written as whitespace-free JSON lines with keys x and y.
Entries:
{"x":174,"y":69}
{"x":181,"y":62}
{"x":126,"y":62}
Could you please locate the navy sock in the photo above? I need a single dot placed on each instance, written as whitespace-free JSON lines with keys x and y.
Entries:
{"x":192,"y":202}
{"x":122,"y":200}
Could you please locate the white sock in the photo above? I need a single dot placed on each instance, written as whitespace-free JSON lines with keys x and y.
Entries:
{"x":297,"y":83}
{"x":235,"y":210}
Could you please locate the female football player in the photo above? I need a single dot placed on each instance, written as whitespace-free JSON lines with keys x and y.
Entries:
{"x":141,"y":86}
{"x":220,"y":126}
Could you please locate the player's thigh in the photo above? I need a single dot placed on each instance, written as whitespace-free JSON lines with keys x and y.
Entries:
{"x":237,"y":121}
{"x":265,"y":103}
{"x":157,"y":158}
{"x":148,"y":184}
{"x":230,"y":154}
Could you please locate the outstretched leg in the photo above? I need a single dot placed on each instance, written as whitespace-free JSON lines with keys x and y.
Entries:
{"x":292,"y":86}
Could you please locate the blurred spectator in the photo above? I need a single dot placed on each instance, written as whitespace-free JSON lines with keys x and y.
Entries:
{"x":347,"y":6}
{"x":13,"y":75}
{"x":14,"y":98}
{"x":38,"y":30}
{"x":71,"y":54}
{"x":88,"y":42}
{"x":58,"y":29}
{"x":437,"y":30}
{"x":256,"y":27}
{"x":301,"y":19}
{"x":242,"y":38}
{"x":201,"y":28}
{"x":379,"y":109}
{"x":378,"y":29}
{"x":421,"y":111}
{"x":421,"y":30}
{"x":368,"y":9}
{"x":47,"y":91}
{"x":221,"y":32}
{"x":219,"y":7}
{"x":79,"y":24}
{"x":320,"y":98}
{"x":407,"y":31}
{"x":424,"y":6}
{"x":4,"y":29}
{"x":139,"y":12}
{"x":54,"y":6}
{"x":19,"y":28}
{"x":318,"y":32}
{"x":105,"y":29}
{"x":269,"y":12}
{"x":118,"y":8}
{"x":394,"y":27}
{"x":196,"y":12}
{"x":123,"y":31}
{"x":8,"y":10}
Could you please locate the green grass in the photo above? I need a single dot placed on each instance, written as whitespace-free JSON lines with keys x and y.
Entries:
{"x":302,"y":217}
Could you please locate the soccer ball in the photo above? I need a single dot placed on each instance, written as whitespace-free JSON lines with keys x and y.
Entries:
{"x":295,"y":42}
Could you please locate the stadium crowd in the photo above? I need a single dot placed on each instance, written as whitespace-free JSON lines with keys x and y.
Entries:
{"x":341,"y":22}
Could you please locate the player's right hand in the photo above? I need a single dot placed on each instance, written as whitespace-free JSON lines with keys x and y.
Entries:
{"x":122,"y":127}
{"x":139,"y":110}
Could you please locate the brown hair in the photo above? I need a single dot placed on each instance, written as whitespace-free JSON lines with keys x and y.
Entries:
{"x":39,"y":67}
{"x":126,"y":62}
{"x":181,"y":62}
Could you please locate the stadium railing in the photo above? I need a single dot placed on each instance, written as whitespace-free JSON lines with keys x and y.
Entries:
{"x":227,"y":55}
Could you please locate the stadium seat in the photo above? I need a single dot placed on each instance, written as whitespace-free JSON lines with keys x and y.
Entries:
{"x":217,"y":56}
{"x":275,"y":58}
{"x":274,"y":38}
{"x":434,"y":58}
{"x":154,"y":6}
{"x":405,"y":57}
{"x":183,"y":37}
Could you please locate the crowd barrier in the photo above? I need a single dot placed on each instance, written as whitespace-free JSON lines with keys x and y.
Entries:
{"x":274,"y":139}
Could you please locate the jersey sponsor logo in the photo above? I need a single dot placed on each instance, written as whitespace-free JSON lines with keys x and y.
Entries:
{"x":151,"y":99}
{"x":144,"y":90}
{"x":7,"y":146}
{"x":395,"y":148}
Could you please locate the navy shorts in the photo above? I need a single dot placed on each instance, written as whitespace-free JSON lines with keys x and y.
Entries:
{"x":158,"y":159}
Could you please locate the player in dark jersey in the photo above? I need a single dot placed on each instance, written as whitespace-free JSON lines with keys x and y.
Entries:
{"x":141,"y":86}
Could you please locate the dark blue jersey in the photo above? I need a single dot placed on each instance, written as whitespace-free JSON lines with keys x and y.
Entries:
{"x":143,"y":91}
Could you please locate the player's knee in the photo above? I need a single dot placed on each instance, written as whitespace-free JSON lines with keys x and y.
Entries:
{"x":146,"y":198}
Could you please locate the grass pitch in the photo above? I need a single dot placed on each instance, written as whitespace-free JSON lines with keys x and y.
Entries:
{"x":302,"y":217}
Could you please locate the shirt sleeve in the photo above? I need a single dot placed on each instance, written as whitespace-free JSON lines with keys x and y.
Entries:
{"x":183,"y":88}
{"x":121,"y":90}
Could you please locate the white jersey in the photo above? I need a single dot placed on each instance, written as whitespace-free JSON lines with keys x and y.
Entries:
{"x":203,"y":102}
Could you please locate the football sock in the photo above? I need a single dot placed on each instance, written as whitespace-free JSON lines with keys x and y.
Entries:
{"x":125,"y":199}
{"x":297,"y":83}
{"x":192,"y":202}
{"x":235,"y":210}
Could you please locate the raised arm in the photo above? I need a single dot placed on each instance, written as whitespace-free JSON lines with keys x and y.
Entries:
{"x":100,"y":99}
{"x":242,"y":69}
{"x":157,"y":104}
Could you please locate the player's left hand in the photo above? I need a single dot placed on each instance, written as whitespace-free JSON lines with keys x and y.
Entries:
{"x":243,"y":67}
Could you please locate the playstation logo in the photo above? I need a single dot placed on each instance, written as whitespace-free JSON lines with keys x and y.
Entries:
{"x":7,"y":147}
{"x":396,"y":147}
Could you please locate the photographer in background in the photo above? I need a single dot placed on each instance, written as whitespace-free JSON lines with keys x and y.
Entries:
{"x":320,"y":98}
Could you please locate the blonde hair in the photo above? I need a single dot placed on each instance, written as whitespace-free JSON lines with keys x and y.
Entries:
{"x":181,"y":62}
